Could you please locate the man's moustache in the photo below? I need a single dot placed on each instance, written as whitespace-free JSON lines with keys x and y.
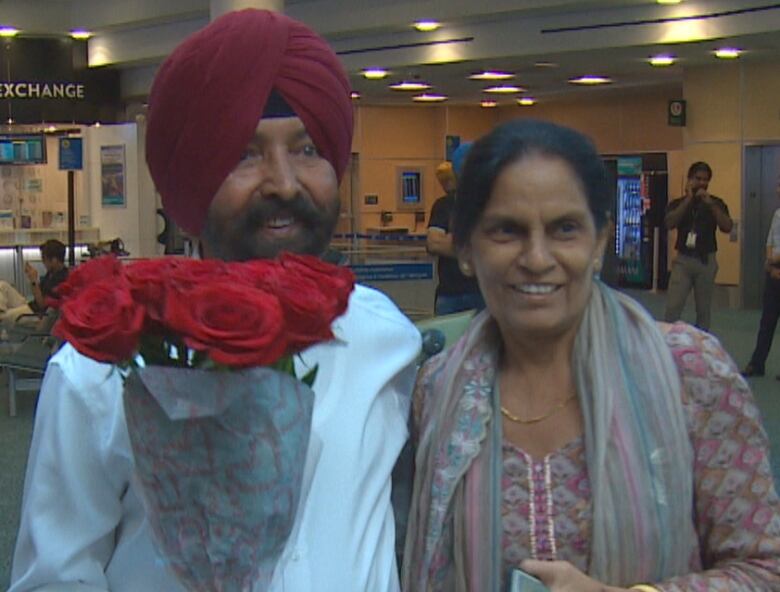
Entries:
{"x":270,"y":207}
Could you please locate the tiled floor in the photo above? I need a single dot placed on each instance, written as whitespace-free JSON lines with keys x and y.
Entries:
{"x":736,"y":330}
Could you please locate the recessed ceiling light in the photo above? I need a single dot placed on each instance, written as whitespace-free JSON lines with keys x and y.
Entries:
{"x":492,"y":75}
{"x":429,"y":98}
{"x":504,"y":89}
{"x":8,"y":32}
{"x":354,"y":95}
{"x":487,"y":103}
{"x":80,"y":34}
{"x":410,"y":85}
{"x":590,"y":80}
{"x":662,"y":59}
{"x":668,"y":1}
{"x":728,"y":53}
{"x":526,"y":101}
{"x":374,"y":73}
{"x":427,"y":25}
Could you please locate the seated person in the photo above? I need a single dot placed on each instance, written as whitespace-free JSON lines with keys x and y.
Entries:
{"x":13,"y":304}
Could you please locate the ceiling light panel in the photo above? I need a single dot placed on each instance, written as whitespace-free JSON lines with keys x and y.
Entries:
{"x":374,"y":73}
{"x":412,"y":85}
{"x":504,"y":89}
{"x":492,"y":75}
{"x":426,"y":26}
{"x":728,"y":53}
{"x":590,"y":80}
{"x":662,"y":60}
{"x":429,"y":98}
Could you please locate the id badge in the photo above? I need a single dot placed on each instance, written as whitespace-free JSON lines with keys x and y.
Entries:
{"x":690,"y":241}
{"x":523,"y":582}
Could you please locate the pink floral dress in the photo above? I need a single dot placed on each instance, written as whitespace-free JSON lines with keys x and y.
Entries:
{"x":546,"y":506}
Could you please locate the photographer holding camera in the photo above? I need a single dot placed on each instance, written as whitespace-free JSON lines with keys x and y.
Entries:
{"x":696,"y":216}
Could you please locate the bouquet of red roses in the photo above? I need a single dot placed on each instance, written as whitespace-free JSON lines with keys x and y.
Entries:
{"x":218,"y":422}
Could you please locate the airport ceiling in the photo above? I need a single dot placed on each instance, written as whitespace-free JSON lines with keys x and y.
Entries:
{"x":544,"y":43}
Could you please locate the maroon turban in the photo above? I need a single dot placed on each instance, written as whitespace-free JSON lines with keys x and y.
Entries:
{"x":209,"y":95}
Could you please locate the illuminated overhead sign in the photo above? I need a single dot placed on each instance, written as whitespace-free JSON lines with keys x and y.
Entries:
{"x":41,"y":90}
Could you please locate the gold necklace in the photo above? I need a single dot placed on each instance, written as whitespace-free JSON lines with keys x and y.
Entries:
{"x":511,"y":417}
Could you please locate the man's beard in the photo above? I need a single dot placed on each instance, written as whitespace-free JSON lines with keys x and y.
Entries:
{"x":241,"y":239}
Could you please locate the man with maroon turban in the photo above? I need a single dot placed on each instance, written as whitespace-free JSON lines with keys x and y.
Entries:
{"x":249,"y":132}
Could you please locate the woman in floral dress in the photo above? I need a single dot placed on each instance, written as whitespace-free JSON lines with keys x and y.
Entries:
{"x":567,"y":434}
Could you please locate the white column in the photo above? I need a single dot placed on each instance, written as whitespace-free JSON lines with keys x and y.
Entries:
{"x":219,"y":7}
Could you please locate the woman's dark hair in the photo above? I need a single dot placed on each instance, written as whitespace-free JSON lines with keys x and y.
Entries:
{"x":512,"y":141}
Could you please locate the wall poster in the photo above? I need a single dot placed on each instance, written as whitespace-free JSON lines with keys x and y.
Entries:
{"x":112,"y":176}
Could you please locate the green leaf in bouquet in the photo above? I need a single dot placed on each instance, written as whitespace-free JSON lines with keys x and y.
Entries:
{"x":201,"y":360}
{"x":308,"y":378}
{"x":285,"y":365}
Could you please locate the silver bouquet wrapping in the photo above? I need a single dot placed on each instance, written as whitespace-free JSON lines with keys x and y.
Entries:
{"x":219,"y":457}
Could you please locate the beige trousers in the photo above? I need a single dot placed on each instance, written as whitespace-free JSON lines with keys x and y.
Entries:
{"x":10,"y":297}
{"x":691,"y":273}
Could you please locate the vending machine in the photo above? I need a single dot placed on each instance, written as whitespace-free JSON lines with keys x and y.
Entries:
{"x":640,"y":234}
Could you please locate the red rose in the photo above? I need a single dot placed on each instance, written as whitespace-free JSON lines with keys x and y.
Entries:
{"x":189,"y":273}
{"x":308,"y":312}
{"x":148,"y":282}
{"x":87,"y":274}
{"x":333,"y":281}
{"x":254,"y":273}
{"x":102,"y":321}
{"x":234,"y":324}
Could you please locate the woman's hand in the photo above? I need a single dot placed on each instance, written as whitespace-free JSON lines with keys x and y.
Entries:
{"x":562,"y":576}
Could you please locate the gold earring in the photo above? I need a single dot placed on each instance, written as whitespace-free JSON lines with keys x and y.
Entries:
{"x":465,"y":268}
{"x":597,"y":265}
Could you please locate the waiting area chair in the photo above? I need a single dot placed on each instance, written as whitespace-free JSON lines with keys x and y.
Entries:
{"x":24,"y":354}
{"x":30,"y":325}
{"x":438,"y":333}
{"x":25,"y":363}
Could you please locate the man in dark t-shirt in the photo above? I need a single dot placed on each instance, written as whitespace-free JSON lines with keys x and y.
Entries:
{"x":455,"y":291}
{"x":13,"y":305}
{"x":697,"y":216}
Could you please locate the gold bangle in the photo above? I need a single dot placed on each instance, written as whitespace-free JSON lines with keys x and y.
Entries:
{"x":644,"y":588}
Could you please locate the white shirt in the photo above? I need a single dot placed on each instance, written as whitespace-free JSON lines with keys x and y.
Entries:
{"x":82,"y":521}
{"x":773,"y":238}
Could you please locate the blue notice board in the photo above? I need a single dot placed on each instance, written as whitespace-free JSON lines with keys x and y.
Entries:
{"x":71,"y":158}
{"x":392,"y":272}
